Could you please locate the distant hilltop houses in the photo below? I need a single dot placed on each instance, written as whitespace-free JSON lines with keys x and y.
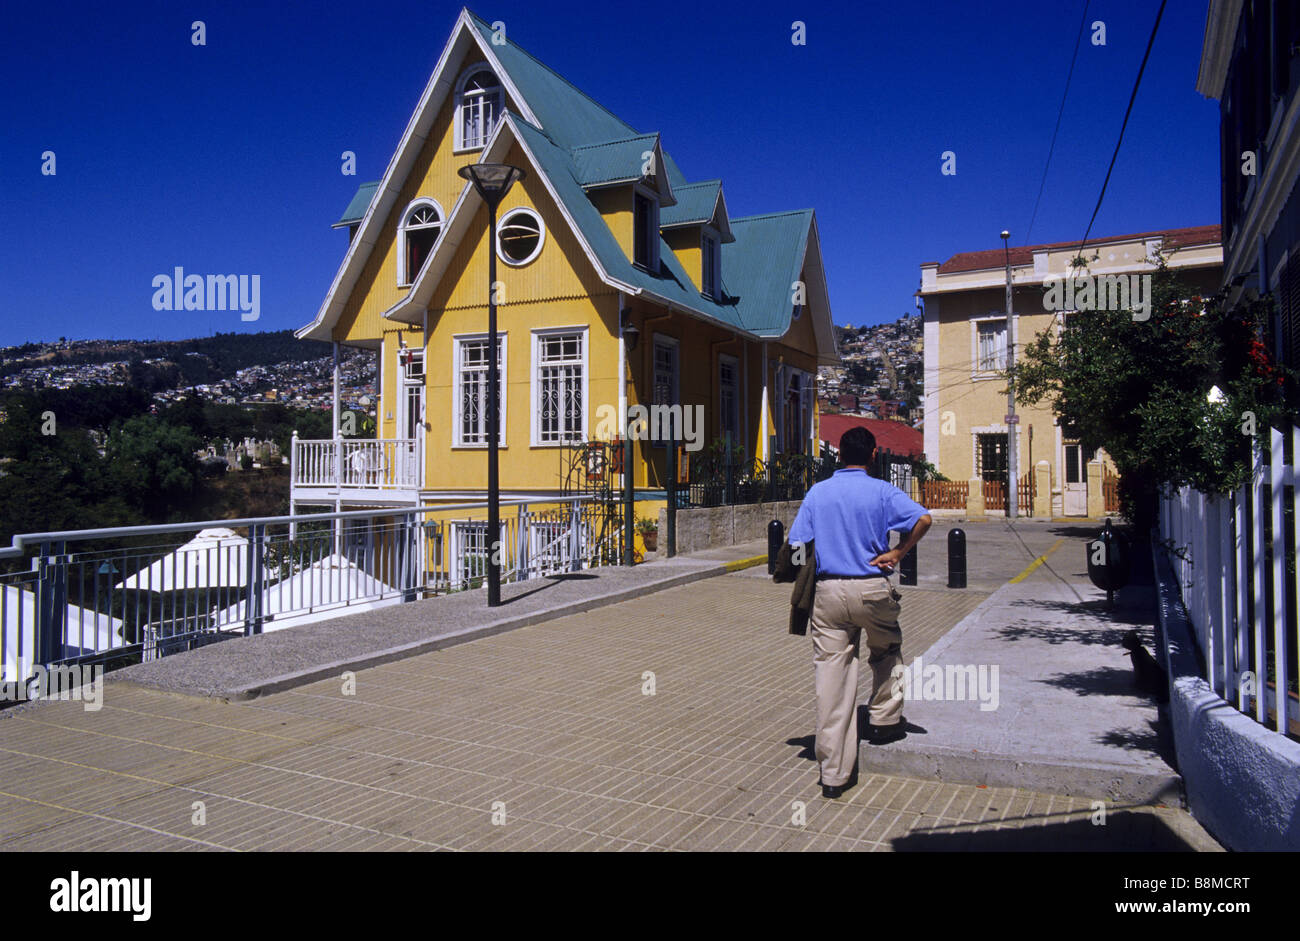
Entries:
{"x":881,"y":372}
{"x":301,"y":379}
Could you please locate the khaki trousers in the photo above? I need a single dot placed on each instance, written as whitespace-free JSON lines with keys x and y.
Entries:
{"x":842,"y":609}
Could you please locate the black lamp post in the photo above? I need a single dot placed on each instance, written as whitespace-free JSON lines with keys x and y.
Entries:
{"x":493,"y":181}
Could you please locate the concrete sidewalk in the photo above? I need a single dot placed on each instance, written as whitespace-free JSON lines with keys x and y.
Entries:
{"x":678,"y":721}
{"x":1068,"y":717}
{"x":245,"y":667}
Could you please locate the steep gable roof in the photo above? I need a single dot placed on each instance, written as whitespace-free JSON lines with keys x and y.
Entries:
{"x":699,"y":204}
{"x":570,"y":116}
{"x":573,"y":143}
{"x":621,"y":161}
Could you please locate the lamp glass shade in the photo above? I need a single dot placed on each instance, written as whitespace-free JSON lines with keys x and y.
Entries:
{"x":630,"y":335}
{"x":492,"y":180}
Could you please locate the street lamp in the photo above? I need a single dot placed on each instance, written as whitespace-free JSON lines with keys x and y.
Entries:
{"x":493,"y":181}
{"x":1012,"y":419}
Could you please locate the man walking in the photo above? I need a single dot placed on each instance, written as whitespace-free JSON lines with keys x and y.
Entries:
{"x":850,"y":516}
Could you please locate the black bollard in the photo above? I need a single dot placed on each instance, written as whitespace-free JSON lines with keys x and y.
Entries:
{"x":956,"y":558}
{"x":907,"y":568}
{"x":775,"y":540}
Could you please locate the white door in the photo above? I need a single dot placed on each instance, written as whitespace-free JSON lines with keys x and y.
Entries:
{"x":406,"y":459}
{"x":1075,"y":486}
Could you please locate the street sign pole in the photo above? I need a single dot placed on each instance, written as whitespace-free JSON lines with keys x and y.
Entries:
{"x":1013,"y":464}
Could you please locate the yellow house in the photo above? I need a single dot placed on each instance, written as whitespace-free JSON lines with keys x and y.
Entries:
{"x":965,"y":345}
{"x":620,"y":283}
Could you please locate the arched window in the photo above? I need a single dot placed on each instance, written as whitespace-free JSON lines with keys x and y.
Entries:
{"x":478,"y":108}
{"x":416,"y":237}
{"x":519,"y":236}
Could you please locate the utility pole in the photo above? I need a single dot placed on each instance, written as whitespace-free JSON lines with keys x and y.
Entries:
{"x":1012,"y":419}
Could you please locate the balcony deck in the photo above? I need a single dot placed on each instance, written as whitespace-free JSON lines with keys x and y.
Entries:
{"x":383,"y":471}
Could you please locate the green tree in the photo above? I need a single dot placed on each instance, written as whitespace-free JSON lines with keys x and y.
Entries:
{"x":152,"y":464}
{"x":52,"y":482}
{"x":1141,"y":388}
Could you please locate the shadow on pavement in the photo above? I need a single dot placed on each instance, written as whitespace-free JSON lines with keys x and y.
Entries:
{"x":1122,"y":612}
{"x":551,"y":582}
{"x":1124,"y":831}
{"x":806,"y":744}
{"x":1065,"y":634}
{"x":1154,"y":738}
{"x":1101,"y":681}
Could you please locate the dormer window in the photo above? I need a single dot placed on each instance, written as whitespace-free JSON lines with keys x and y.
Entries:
{"x":645,"y":231}
{"x":418,"y":233}
{"x":710,"y":265}
{"x":478,"y":108}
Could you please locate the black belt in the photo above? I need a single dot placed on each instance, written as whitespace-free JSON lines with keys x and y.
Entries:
{"x":827,"y":577}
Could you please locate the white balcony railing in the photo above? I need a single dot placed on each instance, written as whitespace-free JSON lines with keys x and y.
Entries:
{"x":351,"y":463}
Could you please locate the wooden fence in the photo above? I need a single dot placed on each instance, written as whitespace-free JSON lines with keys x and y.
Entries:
{"x":944,"y":494}
{"x":995,"y":494}
{"x":1110,"y":490}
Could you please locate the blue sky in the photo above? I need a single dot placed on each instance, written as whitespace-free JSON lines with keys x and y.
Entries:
{"x":225,"y":159}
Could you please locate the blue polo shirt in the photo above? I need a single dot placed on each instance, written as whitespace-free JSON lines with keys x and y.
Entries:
{"x":851,"y":515}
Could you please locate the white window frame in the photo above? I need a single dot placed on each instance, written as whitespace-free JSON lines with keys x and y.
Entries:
{"x":459,"y":145}
{"x":535,"y":384}
{"x":672,"y":343}
{"x":805,"y":385}
{"x":541,"y":235}
{"x":652,"y":235}
{"x":457,"y":371}
{"x":404,"y":277}
{"x":710,"y":264}
{"x":978,"y":371}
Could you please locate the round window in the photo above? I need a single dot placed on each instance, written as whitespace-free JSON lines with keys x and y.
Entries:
{"x":519,"y":236}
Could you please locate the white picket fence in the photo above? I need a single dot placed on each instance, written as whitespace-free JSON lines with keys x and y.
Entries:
{"x":1229,"y":553}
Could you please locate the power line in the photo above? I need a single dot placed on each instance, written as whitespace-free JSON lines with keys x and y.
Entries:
{"x":1128,"y":111}
{"x":1059,"y":114}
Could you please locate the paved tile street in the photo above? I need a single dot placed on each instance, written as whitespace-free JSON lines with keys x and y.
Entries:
{"x":680,"y":720}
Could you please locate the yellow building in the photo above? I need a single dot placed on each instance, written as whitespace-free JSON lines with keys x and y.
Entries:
{"x":965,"y":345}
{"x":620,"y":283}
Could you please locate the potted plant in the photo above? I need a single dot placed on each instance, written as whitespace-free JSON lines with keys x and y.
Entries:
{"x":649,"y":530}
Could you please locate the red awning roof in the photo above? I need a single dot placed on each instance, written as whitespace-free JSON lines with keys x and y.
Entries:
{"x":895,"y":436}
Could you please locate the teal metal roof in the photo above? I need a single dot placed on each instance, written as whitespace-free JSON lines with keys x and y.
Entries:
{"x":695,"y":204}
{"x":675,"y":176}
{"x":612,"y":161}
{"x":356,"y":210}
{"x":570,"y":117}
{"x":757,"y":268}
{"x":764,"y":260}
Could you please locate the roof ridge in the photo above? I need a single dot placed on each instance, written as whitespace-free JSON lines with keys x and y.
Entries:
{"x":769,"y":215}
{"x":484,"y":24}
{"x":1102,"y":240}
{"x":616,"y":140}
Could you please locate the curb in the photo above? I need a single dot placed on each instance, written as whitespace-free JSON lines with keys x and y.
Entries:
{"x":1052,"y":776}
{"x":335,"y":668}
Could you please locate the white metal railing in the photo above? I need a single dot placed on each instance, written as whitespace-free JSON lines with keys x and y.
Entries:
{"x":361,"y":463}
{"x":130,"y":593}
{"x":1235,"y":559}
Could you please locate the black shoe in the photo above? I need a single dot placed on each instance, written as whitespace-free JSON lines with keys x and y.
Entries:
{"x":832,"y":791}
{"x":884,"y":734}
